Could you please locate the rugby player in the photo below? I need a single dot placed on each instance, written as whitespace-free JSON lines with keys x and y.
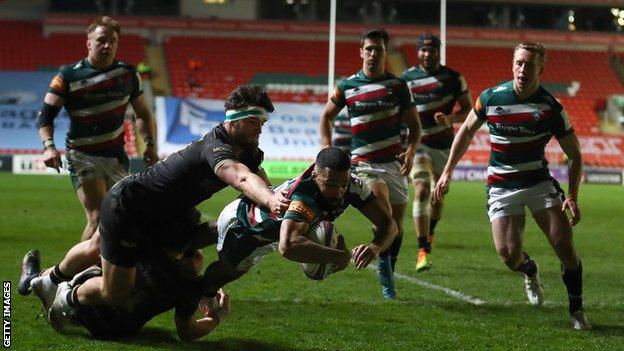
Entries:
{"x":436,"y":90}
{"x":522,"y":117}
{"x":95,"y":92}
{"x":247,"y":232}
{"x":377,"y":102}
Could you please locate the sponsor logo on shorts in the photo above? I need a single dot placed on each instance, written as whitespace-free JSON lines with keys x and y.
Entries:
{"x":128,"y":244}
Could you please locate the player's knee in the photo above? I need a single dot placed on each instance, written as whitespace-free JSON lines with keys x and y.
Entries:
{"x":422,"y":194}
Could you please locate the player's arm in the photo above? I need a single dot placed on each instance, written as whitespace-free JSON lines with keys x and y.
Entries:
{"x":52,"y":105}
{"x":190,"y":329}
{"x":330,"y":112}
{"x":458,"y":149}
{"x":570,"y":146}
{"x":295,"y":246}
{"x":241,"y":178}
{"x":411,"y":119}
{"x":465,"y":106}
{"x":147,"y":128}
{"x":385,"y":232}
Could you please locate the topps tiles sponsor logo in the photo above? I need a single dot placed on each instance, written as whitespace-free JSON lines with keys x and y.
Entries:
{"x":374,"y":104}
{"x":6,"y":314}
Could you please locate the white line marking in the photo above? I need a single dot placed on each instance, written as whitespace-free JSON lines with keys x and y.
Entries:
{"x":450,"y":292}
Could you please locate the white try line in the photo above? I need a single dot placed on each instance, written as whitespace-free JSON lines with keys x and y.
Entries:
{"x":448,"y":291}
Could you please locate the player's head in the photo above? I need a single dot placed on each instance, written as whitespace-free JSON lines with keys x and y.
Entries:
{"x":527,"y":66}
{"x":246,"y":109}
{"x":102,"y":40}
{"x":332,"y":174}
{"x":428,"y":46}
{"x":373,"y":50}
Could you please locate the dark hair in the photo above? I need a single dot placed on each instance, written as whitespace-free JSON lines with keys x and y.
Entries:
{"x":427,"y":39}
{"x":333,"y":158}
{"x":104,"y":21}
{"x":248,"y":95}
{"x":375,"y":33}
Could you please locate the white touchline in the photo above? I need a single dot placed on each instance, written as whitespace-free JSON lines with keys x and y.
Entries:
{"x":450,"y":292}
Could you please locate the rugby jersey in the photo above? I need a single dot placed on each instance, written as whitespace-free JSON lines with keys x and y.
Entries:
{"x":341,"y":137}
{"x":374,"y":107}
{"x":96,"y":102}
{"x":519,"y":132}
{"x":306,"y":206}
{"x":433,"y":93}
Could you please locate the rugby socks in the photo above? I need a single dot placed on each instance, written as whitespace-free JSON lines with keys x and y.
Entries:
{"x":432,"y":225}
{"x":72,"y":297}
{"x":573,"y":280}
{"x":394,"y":250}
{"x":424,"y":244}
{"x":528,"y":266}
{"x":57,"y":276}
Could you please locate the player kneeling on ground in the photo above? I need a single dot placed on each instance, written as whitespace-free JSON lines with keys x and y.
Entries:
{"x":248,"y":232}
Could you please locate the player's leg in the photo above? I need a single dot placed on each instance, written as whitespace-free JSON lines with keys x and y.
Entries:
{"x":384,"y":267}
{"x":553,"y":222}
{"x":507,"y":233}
{"x":78,"y":258}
{"x":438,"y":161}
{"x":506,"y":213}
{"x":421,"y":178}
{"x":113,"y":288}
{"x":90,"y":194}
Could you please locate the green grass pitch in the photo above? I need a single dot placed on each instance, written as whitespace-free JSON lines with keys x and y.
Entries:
{"x":276,"y":308}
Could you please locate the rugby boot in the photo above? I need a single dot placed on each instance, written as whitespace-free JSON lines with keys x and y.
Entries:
{"x":423,"y":262}
{"x":31,"y":267}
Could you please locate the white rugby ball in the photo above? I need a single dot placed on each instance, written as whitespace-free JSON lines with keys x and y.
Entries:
{"x":324,"y":233}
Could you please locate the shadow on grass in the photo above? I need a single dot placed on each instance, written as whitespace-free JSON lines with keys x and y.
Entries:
{"x":166,"y":339}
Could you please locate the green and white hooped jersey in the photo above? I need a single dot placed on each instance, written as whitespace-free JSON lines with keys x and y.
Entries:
{"x":519,"y":132}
{"x":374,"y":107}
{"x":96,"y":102}
{"x":433,"y":93}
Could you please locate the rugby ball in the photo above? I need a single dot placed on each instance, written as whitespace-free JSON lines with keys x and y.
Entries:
{"x":324,"y":233}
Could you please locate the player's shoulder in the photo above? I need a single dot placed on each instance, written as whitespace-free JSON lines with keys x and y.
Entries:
{"x":548,"y":98}
{"x":413,"y":72}
{"x":450,"y":71}
{"x":70,"y":68}
{"x":125,"y":65}
{"x":501,"y":91}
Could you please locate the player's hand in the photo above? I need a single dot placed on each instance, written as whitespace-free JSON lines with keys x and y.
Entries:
{"x":52,"y":158}
{"x":406,"y":159}
{"x":442,"y":118}
{"x":574,"y":211}
{"x":278,"y":203}
{"x":441,"y":187}
{"x":224,"y":304}
{"x":345,"y":258}
{"x":150,"y":156}
{"x":363,"y":255}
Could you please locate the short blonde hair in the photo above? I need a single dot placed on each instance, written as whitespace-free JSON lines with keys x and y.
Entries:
{"x":104,"y":21}
{"x":535,"y":48}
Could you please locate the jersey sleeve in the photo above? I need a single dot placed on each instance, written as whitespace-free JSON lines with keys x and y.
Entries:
{"x":561,"y":125}
{"x":137,"y":85}
{"x":59,"y":85}
{"x":462,"y":85}
{"x":480,"y":107}
{"x":406,"y":99}
{"x":338,"y":96}
{"x":218,"y":153}
{"x":303,"y":208}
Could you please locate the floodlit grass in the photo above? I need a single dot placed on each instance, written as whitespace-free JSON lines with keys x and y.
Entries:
{"x":276,"y":308}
